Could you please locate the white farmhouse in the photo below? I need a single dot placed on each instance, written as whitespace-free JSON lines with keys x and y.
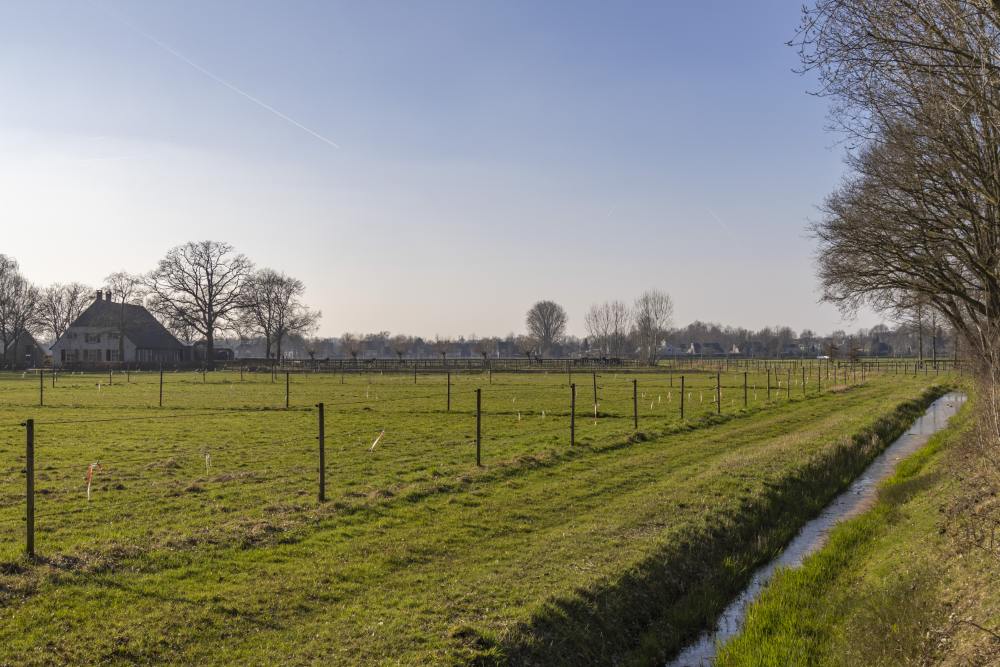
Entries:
{"x":93,"y":338}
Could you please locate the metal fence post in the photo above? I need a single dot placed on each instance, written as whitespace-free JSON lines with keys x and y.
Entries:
{"x":29,"y":431}
{"x":287,"y":395}
{"x":718,"y":393}
{"x":744,"y":389}
{"x":41,"y":386}
{"x":161,"y":385}
{"x":449,"y":391}
{"x":322,"y":453}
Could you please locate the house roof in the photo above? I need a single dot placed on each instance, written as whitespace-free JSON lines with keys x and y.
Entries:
{"x":23,"y":338}
{"x":144,"y":330}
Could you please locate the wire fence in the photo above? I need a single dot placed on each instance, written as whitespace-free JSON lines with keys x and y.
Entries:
{"x":229,"y":455}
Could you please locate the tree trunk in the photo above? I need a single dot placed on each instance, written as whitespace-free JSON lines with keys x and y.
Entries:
{"x":210,"y":349}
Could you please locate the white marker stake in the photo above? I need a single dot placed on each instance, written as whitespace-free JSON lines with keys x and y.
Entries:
{"x":208,"y":461}
{"x":543,"y":414}
{"x":91,"y":469}
{"x":372,"y":448}
{"x":518,"y":415}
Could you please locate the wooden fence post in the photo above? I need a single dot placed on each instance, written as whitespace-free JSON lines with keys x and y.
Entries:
{"x":718,"y":393}
{"x":41,"y":386}
{"x":635,"y":404}
{"x":29,"y":432}
{"x":322,"y":453}
{"x":287,"y":387}
{"x":479,"y":422}
{"x":744,"y":389}
{"x":161,"y":385}
{"x":572,"y":414}
{"x":449,"y":391}
{"x":682,"y":398}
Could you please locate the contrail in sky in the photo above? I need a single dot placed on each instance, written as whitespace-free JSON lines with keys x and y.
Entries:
{"x":218,"y":79}
{"x":724,"y":226}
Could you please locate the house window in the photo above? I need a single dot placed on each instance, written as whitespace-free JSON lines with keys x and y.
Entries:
{"x":92,"y":338}
{"x":91,"y":355}
{"x":112,"y":355}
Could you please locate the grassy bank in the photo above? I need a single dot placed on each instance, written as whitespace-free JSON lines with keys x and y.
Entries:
{"x":892,"y":586}
{"x":542,"y":556}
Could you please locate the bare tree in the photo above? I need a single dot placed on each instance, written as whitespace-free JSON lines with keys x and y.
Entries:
{"x":60,"y":305}
{"x":546,"y":321}
{"x":915,"y":86}
{"x":351,"y":343}
{"x":400,"y":345}
{"x":199,"y":286}
{"x":441,"y":346}
{"x":527,"y":345}
{"x":272,"y":301}
{"x":652,"y":316}
{"x":19,"y":305}
{"x":608,"y":324}
{"x":125,"y":288}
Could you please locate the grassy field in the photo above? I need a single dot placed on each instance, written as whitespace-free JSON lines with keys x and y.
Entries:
{"x":203,"y":541}
{"x":896,"y":585}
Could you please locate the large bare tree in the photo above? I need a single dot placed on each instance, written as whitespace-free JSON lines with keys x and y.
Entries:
{"x":60,"y":305}
{"x":546,"y":322}
{"x":916,"y":87}
{"x":273,"y":302}
{"x":19,"y":305}
{"x":652,"y":315}
{"x":198,"y":287}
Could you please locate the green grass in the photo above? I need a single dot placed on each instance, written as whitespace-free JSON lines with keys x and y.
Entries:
{"x":889,"y":584}
{"x":617,"y":549}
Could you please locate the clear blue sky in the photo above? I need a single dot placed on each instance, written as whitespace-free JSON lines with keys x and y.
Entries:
{"x":425,"y":167}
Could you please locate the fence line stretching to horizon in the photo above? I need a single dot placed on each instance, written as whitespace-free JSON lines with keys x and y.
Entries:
{"x":523,"y":415}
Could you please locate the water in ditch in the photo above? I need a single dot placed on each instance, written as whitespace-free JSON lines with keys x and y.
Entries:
{"x":859,"y":497}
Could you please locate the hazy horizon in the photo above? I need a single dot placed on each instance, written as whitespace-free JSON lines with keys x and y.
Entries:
{"x":425,"y":169}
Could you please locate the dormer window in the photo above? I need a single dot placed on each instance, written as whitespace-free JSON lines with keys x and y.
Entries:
{"x":92,"y":338}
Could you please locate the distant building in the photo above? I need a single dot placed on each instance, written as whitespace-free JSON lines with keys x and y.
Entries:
{"x":24,"y":352}
{"x":199,"y":352}
{"x":707,"y":349}
{"x":93,"y":338}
